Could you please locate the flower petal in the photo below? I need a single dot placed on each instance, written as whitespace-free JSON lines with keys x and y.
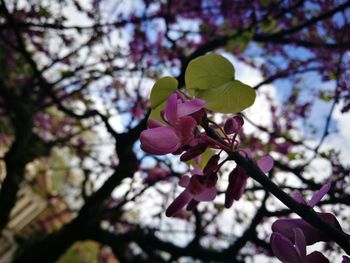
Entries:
{"x":319,"y":194}
{"x":317,"y":257}
{"x":197,"y":171}
{"x":300,"y":242}
{"x":312,"y":234}
{"x":153,"y":123}
{"x":185,"y":129}
{"x":212,"y":164}
{"x":246,"y":153}
{"x":229,"y":198}
{"x":161,"y":140}
{"x":236,"y":186}
{"x":265,"y":163}
{"x":184,"y":181}
{"x":192,"y":205}
{"x":195,"y":150}
{"x":238,"y":182}
{"x":345,"y":259}
{"x":284,"y":249}
{"x":181,"y":201}
{"x":233,"y":125}
{"x":196,"y":185}
{"x":170,"y":111}
{"x":189,"y":107}
{"x":299,"y":198}
{"x":208,"y":194}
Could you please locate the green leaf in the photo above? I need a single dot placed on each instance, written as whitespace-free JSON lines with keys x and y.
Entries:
{"x":208,"y":72}
{"x":211,"y":77}
{"x":219,"y":207}
{"x":265,"y":2}
{"x":292,"y":156}
{"x":204,"y":159}
{"x":326,"y":96}
{"x":231,"y":97}
{"x":67,"y":73}
{"x":269,"y":26}
{"x":240,"y":41}
{"x":155,"y":113}
{"x":81,"y":251}
{"x":161,"y":90}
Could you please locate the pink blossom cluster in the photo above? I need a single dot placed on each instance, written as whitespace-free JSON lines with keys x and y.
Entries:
{"x":291,"y":236}
{"x":186,"y":130}
{"x":180,"y":134}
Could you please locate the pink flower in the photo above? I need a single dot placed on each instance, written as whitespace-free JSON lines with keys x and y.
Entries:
{"x":198,"y":188}
{"x":284,"y":233}
{"x":238,"y":179}
{"x":195,"y":149}
{"x":316,"y":196}
{"x":294,"y":251}
{"x":345,"y":259}
{"x":312,"y":234}
{"x":162,"y":139}
{"x":233,"y":125}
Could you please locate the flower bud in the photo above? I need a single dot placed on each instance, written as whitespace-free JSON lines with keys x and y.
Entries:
{"x":194,"y":151}
{"x":233,"y":125}
{"x":212,"y":164}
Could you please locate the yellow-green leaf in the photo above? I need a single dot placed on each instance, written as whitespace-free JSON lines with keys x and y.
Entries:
{"x":161,"y":90}
{"x":208,"y":72}
{"x":231,"y":97}
{"x":155,"y":113}
{"x":204,"y":159}
{"x":240,"y":41}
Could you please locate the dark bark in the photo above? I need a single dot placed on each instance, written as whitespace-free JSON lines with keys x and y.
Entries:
{"x":50,"y":248}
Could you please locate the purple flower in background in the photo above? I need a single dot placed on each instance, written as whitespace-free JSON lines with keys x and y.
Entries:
{"x":162,"y":139}
{"x":157,"y":173}
{"x":3,"y":139}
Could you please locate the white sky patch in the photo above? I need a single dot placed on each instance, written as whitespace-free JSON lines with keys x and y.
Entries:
{"x":340,"y":140}
{"x":259,"y":112}
{"x":76,"y":18}
{"x":320,"y":168}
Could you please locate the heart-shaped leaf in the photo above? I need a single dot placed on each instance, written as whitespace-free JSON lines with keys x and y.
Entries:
{"x":211,"y":77}
{"x":231,"y":97}
{"x":161,"y":90}
{"x":208,"y":72}
{"x":156,"y":112}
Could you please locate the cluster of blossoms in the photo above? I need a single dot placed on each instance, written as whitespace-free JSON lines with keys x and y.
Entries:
{"x":180,"y":134}
{"x":291,"y":236}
